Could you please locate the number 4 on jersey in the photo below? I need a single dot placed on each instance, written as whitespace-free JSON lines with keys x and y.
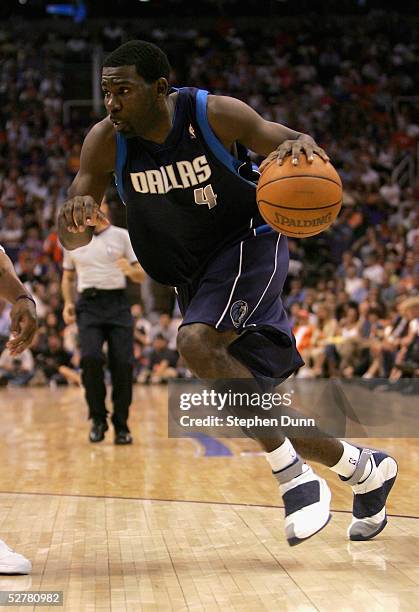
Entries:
{"x":206,"y":195}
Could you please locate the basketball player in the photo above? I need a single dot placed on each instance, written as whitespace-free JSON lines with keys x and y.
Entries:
{"x":23,"y":328}
{"x":194,"y":224}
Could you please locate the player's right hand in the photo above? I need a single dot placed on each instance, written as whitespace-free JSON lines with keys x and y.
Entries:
{"x":23,"y":325}
{"x":80,"y":212}
{"x":69,"y":313}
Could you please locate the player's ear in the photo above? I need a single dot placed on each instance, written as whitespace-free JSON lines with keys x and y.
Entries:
{"x":162,"y":86}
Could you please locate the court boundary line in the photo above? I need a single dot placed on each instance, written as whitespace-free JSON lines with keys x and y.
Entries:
{"x":179,"y":501}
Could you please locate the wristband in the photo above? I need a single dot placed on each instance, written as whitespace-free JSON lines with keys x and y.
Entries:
{"x":25,"y":297}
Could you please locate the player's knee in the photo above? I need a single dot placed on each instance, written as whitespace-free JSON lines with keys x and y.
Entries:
{"x":196,"y":342}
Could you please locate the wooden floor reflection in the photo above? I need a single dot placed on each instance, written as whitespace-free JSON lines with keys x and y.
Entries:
{"x":161,"y":526}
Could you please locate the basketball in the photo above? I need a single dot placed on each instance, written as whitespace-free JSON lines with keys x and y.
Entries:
{"x":299,"y":201}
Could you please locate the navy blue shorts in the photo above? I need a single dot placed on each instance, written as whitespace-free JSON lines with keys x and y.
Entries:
{"x":241,"y":290}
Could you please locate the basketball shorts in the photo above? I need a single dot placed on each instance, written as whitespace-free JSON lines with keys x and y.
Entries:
{"x":241,"y":290}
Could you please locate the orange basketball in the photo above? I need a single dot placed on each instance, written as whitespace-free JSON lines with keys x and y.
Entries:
{"x":299,"y":201}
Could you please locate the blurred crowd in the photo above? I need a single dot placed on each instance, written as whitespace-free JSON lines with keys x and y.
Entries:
{"x":351,"y":292}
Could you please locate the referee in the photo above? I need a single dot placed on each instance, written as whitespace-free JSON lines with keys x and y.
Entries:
{"x":103,"y":315}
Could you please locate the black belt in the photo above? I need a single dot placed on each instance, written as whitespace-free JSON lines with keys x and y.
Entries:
{"x":92,"y":292}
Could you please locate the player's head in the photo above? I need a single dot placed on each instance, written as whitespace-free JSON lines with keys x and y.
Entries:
{"x":135,"y":82}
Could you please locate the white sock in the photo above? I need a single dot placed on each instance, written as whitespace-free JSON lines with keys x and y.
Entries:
{"x":281,"y":457}
{"x":347,"y":463}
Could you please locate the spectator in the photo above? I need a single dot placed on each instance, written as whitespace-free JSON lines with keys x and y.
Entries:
{"x":344,"y":350}
{"x":140,"y":360}
{"x":408,"y":346}
{"x":374,"y":270}
{"x":142,"y":327}
{"x":295,"y":293}
{"x":167,"y":328}
{"x":16,"y":370}
{"x":303,"y":331}
{"x":384,"y":348}
{"x":52,"y":359}
{"x":325,"y":329}
{"x":161,"y":362}
{"x":353,"y":283}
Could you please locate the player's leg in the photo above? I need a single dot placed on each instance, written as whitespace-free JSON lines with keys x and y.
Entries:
{"x":240,"y":295}
{"x":371,"y":474}
{"x":306,"y":496}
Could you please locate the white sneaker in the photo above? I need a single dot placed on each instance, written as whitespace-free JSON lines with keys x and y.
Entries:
{"x":12,"y":562}
{"x":369,"y":505}
{"x":306,"y":499}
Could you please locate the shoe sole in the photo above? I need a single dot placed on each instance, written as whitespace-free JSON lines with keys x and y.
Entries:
{"x":389,"y":483}
{"x":10,"y":570}
{"x":360,"y":538}
{"x":296,"y":541}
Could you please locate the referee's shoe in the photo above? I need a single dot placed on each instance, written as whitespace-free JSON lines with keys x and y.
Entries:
{"x":122,"y":437}
{"x":99,"y":428}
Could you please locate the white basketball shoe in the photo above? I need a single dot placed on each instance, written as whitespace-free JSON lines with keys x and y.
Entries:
{"x":369,"y":515}
{"x":306,"y":499}
{"x":12,"y":562}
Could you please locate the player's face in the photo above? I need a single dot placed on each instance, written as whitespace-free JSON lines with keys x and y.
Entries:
{"x":129,"y":100}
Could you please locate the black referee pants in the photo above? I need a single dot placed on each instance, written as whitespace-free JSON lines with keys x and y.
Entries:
{"x":105,"y":316}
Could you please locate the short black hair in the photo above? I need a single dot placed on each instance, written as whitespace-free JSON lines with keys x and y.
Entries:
{"x":149,"y":60}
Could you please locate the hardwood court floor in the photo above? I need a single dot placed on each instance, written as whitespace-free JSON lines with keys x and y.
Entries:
{"x":160,"y":526}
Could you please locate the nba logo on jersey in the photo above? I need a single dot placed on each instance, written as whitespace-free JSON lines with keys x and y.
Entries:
{"x":238,"y":312}
{"x":191,"y":131}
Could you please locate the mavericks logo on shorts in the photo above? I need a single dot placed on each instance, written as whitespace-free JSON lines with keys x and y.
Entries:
{"x":238,"y":312}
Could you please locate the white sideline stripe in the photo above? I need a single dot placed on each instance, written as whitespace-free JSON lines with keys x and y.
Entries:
{"x":251,"y":223}
{"x":234,"y":286}
{"x":269,"y":282}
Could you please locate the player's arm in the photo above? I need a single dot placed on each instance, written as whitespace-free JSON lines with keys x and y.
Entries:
{"x":80,"y":213}
{"x":23,"y":313}
{"x":232,"y":120}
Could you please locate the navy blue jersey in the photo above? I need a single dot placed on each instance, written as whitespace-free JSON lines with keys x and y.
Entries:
{"x":185,"y":198}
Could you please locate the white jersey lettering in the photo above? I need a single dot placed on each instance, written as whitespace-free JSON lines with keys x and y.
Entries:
{"x":172,"y":177}
{"x":202,"y":169}
{"x":181,"y":175}
{"x":167,"y":186}
{"x":139,"y":182}
{"x":187,"y":174}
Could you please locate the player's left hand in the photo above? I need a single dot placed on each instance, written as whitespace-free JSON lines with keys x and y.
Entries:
{"x":304,"y":144}
{"x":23,"y":326}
